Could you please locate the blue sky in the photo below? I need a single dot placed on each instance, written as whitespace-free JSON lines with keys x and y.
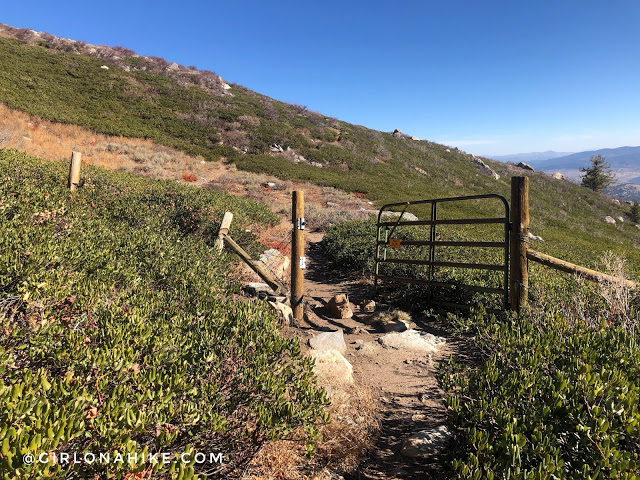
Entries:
{"x":491,"y":77}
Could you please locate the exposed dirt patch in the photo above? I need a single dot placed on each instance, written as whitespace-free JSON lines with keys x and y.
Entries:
{"x":403,"y":382}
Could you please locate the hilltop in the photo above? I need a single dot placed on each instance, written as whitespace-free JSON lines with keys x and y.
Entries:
{"x":113,"y":91}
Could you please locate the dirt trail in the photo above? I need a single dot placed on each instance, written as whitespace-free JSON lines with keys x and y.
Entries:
{"x":404,"y":382}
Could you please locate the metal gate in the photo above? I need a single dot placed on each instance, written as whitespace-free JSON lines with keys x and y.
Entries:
{"x":386,"y":241}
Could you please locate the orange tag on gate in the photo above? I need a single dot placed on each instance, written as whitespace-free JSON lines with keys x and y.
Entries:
{"x":395,"y":243}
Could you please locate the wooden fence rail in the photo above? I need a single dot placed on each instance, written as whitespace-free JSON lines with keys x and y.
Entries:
{"x":583,"y":272}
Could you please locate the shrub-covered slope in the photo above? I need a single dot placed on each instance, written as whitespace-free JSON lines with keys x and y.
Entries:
{"x":117,"y":330}
{"x":63,"y":80}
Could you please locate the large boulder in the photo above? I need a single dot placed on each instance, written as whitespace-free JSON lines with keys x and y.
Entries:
{"x":331,"y":367}
{"x":329,"y":341}
{"x":557,"y":176}
{"x":339,"y":306}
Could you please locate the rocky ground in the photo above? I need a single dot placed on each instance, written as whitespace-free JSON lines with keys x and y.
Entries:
{"x":393,"y":355}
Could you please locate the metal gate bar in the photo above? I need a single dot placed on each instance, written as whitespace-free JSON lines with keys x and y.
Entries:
{"x":382,"y":242}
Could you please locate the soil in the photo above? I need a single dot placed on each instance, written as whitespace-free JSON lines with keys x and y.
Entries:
{"x":403,"y":381}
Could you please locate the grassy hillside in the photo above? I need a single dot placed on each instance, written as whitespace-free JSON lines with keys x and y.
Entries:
{"x":183,"y":108}
{"x":118,"y":331}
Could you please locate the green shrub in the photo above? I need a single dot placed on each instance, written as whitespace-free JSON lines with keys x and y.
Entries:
{"x":118,"y":332}
{"x":553,"y":399}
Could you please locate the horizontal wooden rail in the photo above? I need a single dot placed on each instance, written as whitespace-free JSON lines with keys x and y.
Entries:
{"x":452,"y":221}
{"x":586,"y":273}
{"x":442,"y":243}
{"x":478,"y":266}
{"x":475,"y":288}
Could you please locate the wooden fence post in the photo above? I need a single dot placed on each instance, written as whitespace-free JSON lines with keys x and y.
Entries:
{"x":519,"y":281}
{"x":224,"y":230}
{"x":298,"y":260}
{"x":74,"y":170}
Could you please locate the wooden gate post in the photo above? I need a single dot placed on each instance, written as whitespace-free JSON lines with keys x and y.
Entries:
{"x":519,"y":281}
{"x":74,"y":170}
{"x":298,"y":260}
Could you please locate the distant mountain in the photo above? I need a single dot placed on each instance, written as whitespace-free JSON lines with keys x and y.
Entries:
{"x":624,"y":161}
{"x":529,"y":157}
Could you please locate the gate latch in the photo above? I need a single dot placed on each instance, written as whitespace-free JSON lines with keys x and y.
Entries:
{"x":300,"y":223}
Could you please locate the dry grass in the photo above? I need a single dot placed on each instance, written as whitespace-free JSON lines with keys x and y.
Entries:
{"x":617,"y":293}
{"x":344,"y":441}
{"x":56,"y":141}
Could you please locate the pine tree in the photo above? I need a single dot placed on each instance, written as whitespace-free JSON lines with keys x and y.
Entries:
{"x":598,"y":176}
{"x":635,"y":212}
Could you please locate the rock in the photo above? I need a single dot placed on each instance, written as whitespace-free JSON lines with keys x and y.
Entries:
{"x":257,"y":289}
{"x":448,"y":151}
{"x":525,"y":166}
{"x":486,"y":169}
{"x":316,"y":164}
{"x":104,"y":67}
{"x":339,"y":306}
{"x":637,"y":226}
{"x":415,"y":138}
{"x":332,"y":204}
{"x":426,"y":442}
{"x":275,"y":261}
{"x":276,"y":148}
{"x":331,"y":366}
{"x":420,"y":170}
{"x":616,"y":201}
{"x":397,"y":133}
{"x":411,"y":340}
{"x":558,"y":176}
{"x":329,"y":341}
{"x":285,"y":312}
{"x":610,"y":220}
{"x":368,"y":306}
{"x":620,"y":219}
{"x":409,"y":217}
{"x":535,"y":237}
{"x":226,"y":86}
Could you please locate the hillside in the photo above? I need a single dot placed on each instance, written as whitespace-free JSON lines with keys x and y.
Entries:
{"x":114,"y":91}
{"x":119,"y":329}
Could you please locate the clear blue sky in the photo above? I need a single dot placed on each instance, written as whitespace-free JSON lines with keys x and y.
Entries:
{"x":491,"y":77}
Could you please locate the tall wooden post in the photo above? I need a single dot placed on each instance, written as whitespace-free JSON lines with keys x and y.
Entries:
{"x":74,"y":170}
{"x":298,"y":260}
{"x":519,"y":282}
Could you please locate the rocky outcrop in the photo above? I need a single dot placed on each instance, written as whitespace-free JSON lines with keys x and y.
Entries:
{"x":398,"y":133}
{"x":558,"y":176}
{"x":484,"y":168}
{"x":525,"y":166}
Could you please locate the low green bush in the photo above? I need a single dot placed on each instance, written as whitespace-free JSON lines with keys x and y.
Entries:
{"x":118,"y":332}
{"x":553,"y":399}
